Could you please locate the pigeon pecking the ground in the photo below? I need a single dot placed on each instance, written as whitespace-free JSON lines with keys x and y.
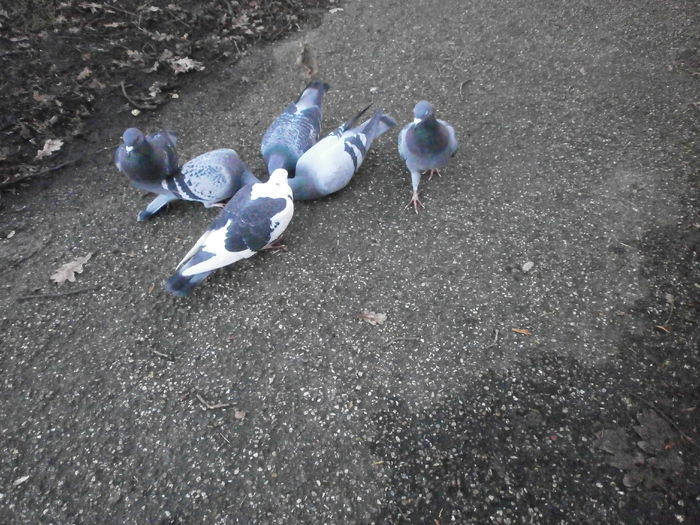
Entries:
{"x":253,"y":220}
{"x":426,"y":144}
{"x":295,"y":130}
{"x":329,"y":165}
{"x":209,"y":178}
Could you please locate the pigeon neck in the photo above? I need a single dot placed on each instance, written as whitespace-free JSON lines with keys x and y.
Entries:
{"x":301,"y":190}
{"x":427,"y":123}
{"x":276,"y":161}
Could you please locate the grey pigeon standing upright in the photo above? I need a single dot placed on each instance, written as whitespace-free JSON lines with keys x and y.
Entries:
{"x":209,"y":178}
{"x":329,"y":164}
{"x":147,"y":159}
{"x":295,"y":130}
{"x":254,"y":219}
{"x":425,"y":144}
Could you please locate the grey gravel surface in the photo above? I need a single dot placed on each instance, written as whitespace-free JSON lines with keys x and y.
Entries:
{"x":568,"y":212}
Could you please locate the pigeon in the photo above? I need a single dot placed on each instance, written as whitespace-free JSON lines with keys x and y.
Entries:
{"x":425,"y":144}
{"x":330,"y":164}
{"x":295,"y":130}
{"x":253,"y":220}
{"x":147,"y":159}
{"x":209,"y":178}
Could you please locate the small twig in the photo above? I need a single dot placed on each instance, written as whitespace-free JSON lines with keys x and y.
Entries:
{"x":461,"y":86}
{"x":131,"y":13}
{"x":670,"y":313}
{"x":58,"y":294}
{"x":133,"y":102}
{"x":164,"y":356}
{"x":61,"y":165}
{"x":227,"y":441}
{"x":668,"y":420}
{"x":495,"y":339}
{"x":399,"y":339}
{"x":15,"y":52}
{"x":209,"y":406}
{"x":24,"y":258}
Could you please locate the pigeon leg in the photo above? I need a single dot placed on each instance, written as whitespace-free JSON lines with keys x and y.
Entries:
{"x":415,"y":180}
{"x":433,"y":171}
{"x":275,"y":246}
{"x":415,"y":201}
{"x":154,"y":207}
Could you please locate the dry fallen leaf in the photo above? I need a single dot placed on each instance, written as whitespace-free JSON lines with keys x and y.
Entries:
{"x":50,"y":146}
{"x":96,"y":84}
{"x":372,"y":317}
{"x":19,"y":481}
{"x":523,"y":331}
{"x":67,"y":271}
{"x":85,"y":73}
{"x":183,"y":65}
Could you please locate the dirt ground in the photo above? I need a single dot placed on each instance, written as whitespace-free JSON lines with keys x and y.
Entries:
{"x":539,"y":358}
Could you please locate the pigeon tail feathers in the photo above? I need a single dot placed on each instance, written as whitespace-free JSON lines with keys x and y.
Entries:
{"x":155,"y":206}
{"x":379,"y":123}
{"x":181,"y":285}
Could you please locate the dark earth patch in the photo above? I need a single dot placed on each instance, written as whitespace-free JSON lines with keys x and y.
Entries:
{"x":68,"y":66}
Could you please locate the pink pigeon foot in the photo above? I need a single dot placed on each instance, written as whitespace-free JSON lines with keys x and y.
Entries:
{"x":415,"y":201}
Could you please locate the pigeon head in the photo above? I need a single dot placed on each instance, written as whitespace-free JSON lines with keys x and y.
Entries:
{"x":279,"y":176}
{"x":133,"y":138}
{"x":423,"y":110}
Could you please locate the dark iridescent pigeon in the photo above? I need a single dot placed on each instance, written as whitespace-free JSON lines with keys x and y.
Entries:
{"x":209,"y":178}
{"x":295,"y":130}
{"x":147,"y":158}
{"x":426,"y":144}
{"x":330,"y":164}
{"x":254,"y":219}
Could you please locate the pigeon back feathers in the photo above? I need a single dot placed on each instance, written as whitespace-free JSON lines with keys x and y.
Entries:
{"x":295,"y":130}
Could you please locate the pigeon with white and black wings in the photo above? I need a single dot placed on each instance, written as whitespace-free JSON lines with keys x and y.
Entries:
{"x":426,"y":144}
{"x":254,"y":219}
{"x":329,"y":165}
{"x":295,"y":130}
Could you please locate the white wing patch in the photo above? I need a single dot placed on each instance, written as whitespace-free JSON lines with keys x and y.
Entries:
{"x":281,"y":220}
{"x":218,"y":261}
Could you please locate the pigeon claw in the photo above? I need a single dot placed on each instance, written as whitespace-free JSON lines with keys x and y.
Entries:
{"x":276,"y":246}
{"x":415,"y":201}
{"x":433,"y":171}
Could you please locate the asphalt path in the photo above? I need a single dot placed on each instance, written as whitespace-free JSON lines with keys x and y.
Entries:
{"x":544,"y":295}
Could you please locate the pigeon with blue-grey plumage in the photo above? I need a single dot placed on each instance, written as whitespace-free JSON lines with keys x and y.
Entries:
{"x":209,"y":178}
{"x":147,"y":159}
{"x":253,"y":220}
{"x":295,"y":130}
{"x":426,"y":144}
{"x":329,"y":165}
